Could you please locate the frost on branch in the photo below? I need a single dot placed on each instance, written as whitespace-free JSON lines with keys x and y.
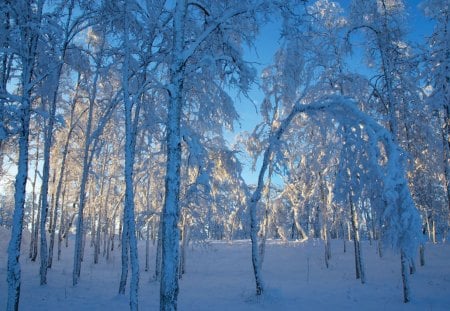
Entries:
{"x":381,"y":169}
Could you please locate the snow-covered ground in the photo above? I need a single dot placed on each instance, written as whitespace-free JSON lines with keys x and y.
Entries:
{"x":219,"y":277}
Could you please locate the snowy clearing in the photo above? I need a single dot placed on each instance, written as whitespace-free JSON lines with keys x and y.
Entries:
{"x":219,"y":277}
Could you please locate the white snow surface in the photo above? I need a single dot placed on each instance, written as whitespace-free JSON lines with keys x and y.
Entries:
{"x":219,"y":277}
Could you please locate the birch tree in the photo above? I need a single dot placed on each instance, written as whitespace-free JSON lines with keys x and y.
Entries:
{"x":27,"y":17}
{"x":402,"y":229}
{"x":53,"y":90}
{"x":439,"y":62}
{"x":92,"y":134}
{"x":184,"y":56}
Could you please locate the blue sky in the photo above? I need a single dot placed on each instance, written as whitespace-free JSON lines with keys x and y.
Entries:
{"x":419,"y":27}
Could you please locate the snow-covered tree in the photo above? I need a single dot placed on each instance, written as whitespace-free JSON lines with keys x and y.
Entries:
{"x":438,"y":61}
{"x":26,"y":17}
{"x":95,"y":124}
{"x":204,"y":35}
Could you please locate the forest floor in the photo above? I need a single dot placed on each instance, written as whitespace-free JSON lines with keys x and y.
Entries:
{"x":219,"y":277}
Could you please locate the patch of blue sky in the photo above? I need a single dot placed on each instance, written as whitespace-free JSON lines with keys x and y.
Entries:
{"x":418,"y":28}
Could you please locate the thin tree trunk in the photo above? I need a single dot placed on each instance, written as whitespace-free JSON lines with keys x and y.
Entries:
{"x":358,"y":256}
{"x":34,"y":222}
{"x":428,"y":226}
{"x":108,"y":241}
{"x":97,"y":226}
{"x":81,"y":204}
{"x":183,"y":246}
{"x":380,"y":248}
{"x":433,"y":231}
{"x":113,"y":233}
{"x":422,"y":254}
{"x":104,"y":221}
{"x":265,"y":227}
{"x":36,"y":230}
{"x":256,"y":196}
{"x":344,"y":237}
{"x":61,"y":221}
{"x":124,"y":270}
{"x":158,"y":258}
{"x":47,"y":148}
{"x":147,"y":237}
{"x":147,"y":247}
{"x":62,"y":168}
{"x":130,"y":144}
{"x":326,"y":237}
{"x":120,"y":231}
{"x":87,"y":157}
{"x":97,"y":241}
{"x":298,"y":226}
{"x":52,"y":225}
{"x":405,"y":277}
{"x":412,"y":266}
{"x":326,"y":201}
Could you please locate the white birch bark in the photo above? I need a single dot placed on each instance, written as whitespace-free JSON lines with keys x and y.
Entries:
{"x":398,"y":213}
{"x":84,"y":179}
{"x":52,"y":227}
{"x":158,"y":259}
{"x":130,"y":139}
{"x":256,"y":196}
{"x":405,"y":277}
{"x":171,"y":213}
{"x":59,"y":188}
{"x":14,"y":270}
{"x":35,"y":214}
{"x":90,"y":145}
{"x":359,"y":269}
{"x":47,"y":147}
{"x":29,"y":24}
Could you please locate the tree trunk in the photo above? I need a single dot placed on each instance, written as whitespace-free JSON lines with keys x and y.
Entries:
{"x":102,"y":207}
{"x":124,"y":270}
{"x":36,"y":230}
{"x":29,"y":36}
{"x":265,"y":226}
{"x":130,"y":144}
{"x":405,"y":277}
{"x":358,"y":256}
{"x":428,"y":226}
{"x":433,"y":232}
{"x":61,"y":222}
{"x":183,"y":246}
{"x":97,"y":242}
{"x":171,"y":209}
{"x":34,"y":222}
{"x":157,"y":275}
{"x":380,"y":248}
{"x":47,"y":148}
{"x":44,"y":193}
{"x":344,"y":238}
{"x":322,"y":221}
{"x":298,"y":226}
{"x":422,"y":254}
{"x":87,"y":159}
{"x":81,"y":205}
{"x":147,"y":247}
{"x":14,"y":271}
{"x":149,"y":226}
{"x":412,"y":266}
{"x":52,"y":225}
{"x":326,"y":238}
